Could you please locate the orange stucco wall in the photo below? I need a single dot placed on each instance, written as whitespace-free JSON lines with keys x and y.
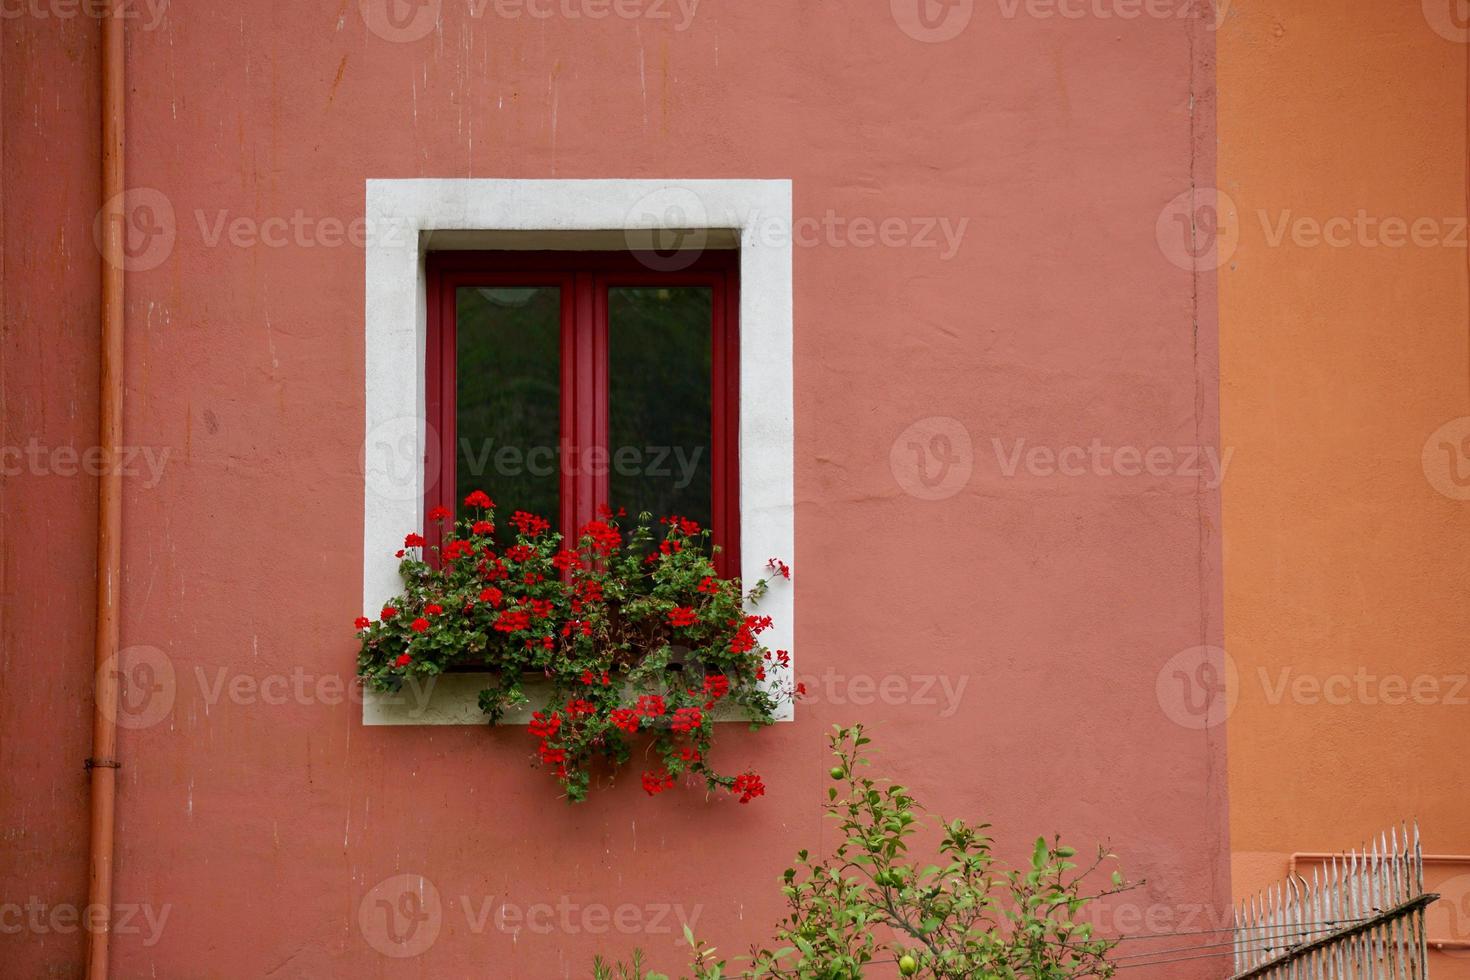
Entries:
{"x":277,"y":834}
{"x":1345,"y":566}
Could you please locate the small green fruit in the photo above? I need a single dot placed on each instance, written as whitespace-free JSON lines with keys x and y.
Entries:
{"x":907,"y":965}
{"x":836,"y":772}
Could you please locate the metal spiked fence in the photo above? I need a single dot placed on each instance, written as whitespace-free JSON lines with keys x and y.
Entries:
{"x":1360,"y":916}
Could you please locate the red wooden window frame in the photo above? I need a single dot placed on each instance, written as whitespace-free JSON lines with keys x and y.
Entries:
{"x":584,"y":279}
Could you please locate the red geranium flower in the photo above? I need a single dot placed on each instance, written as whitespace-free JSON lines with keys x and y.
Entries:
{"x":651,"y":705}
{"x":529,"y":524}
{"x":709,"y":585}
{"x":512,"y":620}
{"x":543,"y":727}
{"x":491,"y":595}
{"x":687,"y":719}
{"x":388,"y":612}
{"x":625,"y":719}
{"x":478,"y":499}
{"x":682,"y":616}
{"x":420,"y":625}
{"x":433,"y":609}
{"x":779,"y":567}
{"x":683,"y":524}
{"x":413,"y":540}
{"x":403,"y":660}
{"x":482,"y":527}
{"x":655,"y":783}
{"x":605,"y":538}
{"x":748,"y":785}
{"x":438,"y":513}
{"x":362,"y":622}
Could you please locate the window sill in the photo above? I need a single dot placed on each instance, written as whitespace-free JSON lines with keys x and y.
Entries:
{"x":454,"y":699}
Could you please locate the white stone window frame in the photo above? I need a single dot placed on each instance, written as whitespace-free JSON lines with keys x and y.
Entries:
{"x":406,"y":218}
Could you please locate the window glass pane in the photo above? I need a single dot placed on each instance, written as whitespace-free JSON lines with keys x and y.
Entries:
{"x":508,"y":343}
{"x":659,"y":400}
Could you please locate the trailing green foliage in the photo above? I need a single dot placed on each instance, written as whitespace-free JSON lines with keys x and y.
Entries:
{"x":870,"y":909}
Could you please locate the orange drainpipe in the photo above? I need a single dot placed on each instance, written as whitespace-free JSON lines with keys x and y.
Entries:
{"x":103,"y":765}
{"x":1427,"y":859}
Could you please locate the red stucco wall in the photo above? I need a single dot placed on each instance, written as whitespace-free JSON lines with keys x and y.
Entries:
{"x":1051,"y":603}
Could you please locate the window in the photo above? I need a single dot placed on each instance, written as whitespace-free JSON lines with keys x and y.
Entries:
{"x":417,"y":221}
{"x":565,"y":380}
